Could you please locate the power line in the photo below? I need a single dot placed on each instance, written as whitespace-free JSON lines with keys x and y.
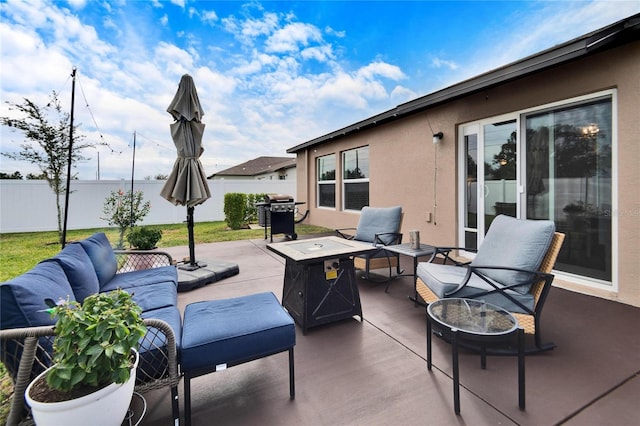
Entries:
{"x":95,"y":123}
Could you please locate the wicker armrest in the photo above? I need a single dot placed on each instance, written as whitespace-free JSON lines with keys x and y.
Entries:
{"x":20,"y":346}
{"x":162,"y":369}
{"x":133,"y":260}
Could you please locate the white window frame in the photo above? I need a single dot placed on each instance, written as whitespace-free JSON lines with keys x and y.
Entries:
{"x":345,"y":181}
{"x":326,"y":182}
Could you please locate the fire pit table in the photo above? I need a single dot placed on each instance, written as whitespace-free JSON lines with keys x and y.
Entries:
{"x":320,"y":280}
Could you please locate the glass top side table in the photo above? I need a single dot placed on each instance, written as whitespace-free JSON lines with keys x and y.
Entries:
{"x":469,"y":319}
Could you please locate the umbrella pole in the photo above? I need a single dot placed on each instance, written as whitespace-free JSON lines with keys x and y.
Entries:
{"x":192,"y":249}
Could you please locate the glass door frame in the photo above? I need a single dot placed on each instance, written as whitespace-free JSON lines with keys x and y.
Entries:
{"x":477,"y":128}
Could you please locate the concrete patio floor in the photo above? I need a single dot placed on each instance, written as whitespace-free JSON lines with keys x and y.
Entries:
{"x":374,"y":372}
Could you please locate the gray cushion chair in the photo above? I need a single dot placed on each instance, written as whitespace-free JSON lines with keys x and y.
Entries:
{"x":511,"y":269}
{"x":379,"y":226}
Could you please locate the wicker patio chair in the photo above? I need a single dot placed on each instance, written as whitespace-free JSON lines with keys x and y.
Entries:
{"x":476,"y":282}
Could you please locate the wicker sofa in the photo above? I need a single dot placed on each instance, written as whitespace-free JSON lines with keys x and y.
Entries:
{"x":80,"y":269}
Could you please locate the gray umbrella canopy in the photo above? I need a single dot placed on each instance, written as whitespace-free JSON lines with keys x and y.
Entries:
{"x":187,"y":183}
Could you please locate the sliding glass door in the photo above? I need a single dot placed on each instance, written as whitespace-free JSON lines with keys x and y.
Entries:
{"x":554,"y":163}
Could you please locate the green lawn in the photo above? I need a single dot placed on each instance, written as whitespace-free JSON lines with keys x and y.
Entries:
{"x":19,"y":252}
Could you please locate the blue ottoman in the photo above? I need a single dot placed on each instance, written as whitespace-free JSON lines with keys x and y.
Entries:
{"x":218,"y":334}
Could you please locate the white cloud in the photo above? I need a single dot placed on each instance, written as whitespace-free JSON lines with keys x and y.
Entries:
{"x":291,"y":37}
{"x":440,"y":63}
{"x":209,"y":16}
{"x":164,"y":20}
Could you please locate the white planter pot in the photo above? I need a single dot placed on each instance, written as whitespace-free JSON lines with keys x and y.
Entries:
{"x":106,"y":407}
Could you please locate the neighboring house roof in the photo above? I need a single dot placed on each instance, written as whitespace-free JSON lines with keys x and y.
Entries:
{"x":258,"y":166}
{"x":614,"y":35}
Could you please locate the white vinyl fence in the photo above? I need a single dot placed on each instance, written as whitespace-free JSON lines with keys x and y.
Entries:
{"x":30,"y":205}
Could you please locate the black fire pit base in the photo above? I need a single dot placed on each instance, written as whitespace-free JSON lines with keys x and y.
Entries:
{"x":215,"y":270}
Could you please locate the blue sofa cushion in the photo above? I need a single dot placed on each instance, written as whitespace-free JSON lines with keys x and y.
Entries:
{"x":22,"y":298}
{"x":142,"y":277}
{"x":154,"y":296}
{"x":515,"y":243}
{"x":102,"y":256}
{"x":79,"y":270}
{"x":233,"y":331}
{"x":377,"y":220}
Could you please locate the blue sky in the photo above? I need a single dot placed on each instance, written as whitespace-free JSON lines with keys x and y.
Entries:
{"x":270,"y":75}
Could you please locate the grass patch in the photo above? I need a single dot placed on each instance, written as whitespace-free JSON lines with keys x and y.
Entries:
{"x":20,"y":252}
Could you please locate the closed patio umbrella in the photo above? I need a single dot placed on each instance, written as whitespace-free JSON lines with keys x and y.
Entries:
{"x":187,"y":183}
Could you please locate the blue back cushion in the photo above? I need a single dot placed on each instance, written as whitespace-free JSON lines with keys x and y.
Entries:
{"x":377,"y":220}
{"x":102,"y":257}
{"x":79,"y":270}
{"x":515,"y":243}
{"x":22,"y":298}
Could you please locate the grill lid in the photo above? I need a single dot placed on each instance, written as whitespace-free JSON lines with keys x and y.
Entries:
{"x":278,"y":198}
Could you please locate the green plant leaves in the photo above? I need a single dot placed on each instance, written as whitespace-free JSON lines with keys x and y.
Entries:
{"x":94,"y":341}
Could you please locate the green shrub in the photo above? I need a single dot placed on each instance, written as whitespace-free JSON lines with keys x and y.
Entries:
{"x":251,"y":213}
{"x":144,"y":237}
{"x":234,"y":209}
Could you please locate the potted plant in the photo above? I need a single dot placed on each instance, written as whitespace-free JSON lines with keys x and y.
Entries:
{"x":94,"y":362}
{"x":144,"y":237}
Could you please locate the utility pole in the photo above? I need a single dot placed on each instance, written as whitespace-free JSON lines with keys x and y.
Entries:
{"x":68,"y":189}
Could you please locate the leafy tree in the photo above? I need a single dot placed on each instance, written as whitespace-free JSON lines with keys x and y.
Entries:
{"x":32,"y":176}
{"x":14,"y":175}
{"x":124,"y":210}
{"x":46,"y":145}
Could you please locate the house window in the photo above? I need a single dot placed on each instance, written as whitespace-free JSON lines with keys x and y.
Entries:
{"x":326,"y":167}
{"x":552,"y":162}
{"x":355,"y":178}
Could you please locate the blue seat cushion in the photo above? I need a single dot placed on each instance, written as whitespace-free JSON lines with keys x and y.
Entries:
{"x":515,"y":243}
{"x":22,"y":298}
{"x":233,"y":331}
{"x":378,"y":220}
{"x":102,"y":256}
{"x":79,"y":270}
{"x":142,"y":277}
{"x":154,"y":296}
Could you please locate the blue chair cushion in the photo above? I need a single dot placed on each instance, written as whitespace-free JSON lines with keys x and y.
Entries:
{"x":79,"y":270}
{"x":102,"y":256}
{"x":142,"y":278}
{"x":233,"y":331}
{"x":378,"y":220}
{"x":22,"y":298}
{"x":515,"y":243}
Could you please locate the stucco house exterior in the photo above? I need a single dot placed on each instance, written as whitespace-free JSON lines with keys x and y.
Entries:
{"x":555,"y":136}
{"x":261,"y":168}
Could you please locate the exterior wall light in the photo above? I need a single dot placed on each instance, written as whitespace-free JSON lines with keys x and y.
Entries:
{"x":437,"y":137}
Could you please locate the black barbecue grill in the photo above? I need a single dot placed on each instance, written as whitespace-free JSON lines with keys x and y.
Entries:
{"x":277,"y":211}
